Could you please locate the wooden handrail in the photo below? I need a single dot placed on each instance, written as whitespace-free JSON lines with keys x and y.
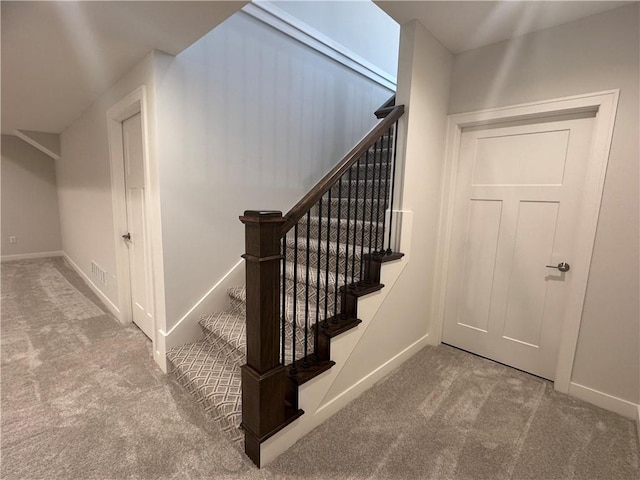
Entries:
{"x":386,"y":107}
{"x":310,"y":199}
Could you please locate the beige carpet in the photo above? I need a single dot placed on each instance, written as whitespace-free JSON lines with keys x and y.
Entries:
{"x":82,"y":399}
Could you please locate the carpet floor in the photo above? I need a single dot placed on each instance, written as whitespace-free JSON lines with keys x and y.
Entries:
{"x":82,"y":399}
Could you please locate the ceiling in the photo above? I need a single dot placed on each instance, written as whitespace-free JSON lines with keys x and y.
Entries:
{"x":59,"y":56}
{"x":464,"y":25}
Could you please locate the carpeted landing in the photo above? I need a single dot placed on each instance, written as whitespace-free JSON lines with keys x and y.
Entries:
{"x":83,"y":399}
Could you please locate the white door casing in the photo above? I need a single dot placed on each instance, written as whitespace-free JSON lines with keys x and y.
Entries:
{"x":132,"y":104}
{"x":136,"y":236}
{"x":604,"y":105}
{"x":516,"y":203}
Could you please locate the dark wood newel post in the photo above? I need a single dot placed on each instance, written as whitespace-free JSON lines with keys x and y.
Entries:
{"x":263,"y":376}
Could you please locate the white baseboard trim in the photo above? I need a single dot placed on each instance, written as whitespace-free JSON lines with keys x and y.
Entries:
{"x":108,"y":303}
{"x":28,"y":256}
{"x":604,"y":400}
{"x":295,"y":28}
{"x":369,"y":380}
{"x":187,"y":328}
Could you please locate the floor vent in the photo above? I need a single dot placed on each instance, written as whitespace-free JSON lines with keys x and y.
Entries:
{"x":99,"y":273}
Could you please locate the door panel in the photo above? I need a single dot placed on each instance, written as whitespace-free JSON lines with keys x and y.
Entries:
{"x":517,"y":196}
{"x":481,"y":238}
{"x":526,"y":297}
{"x":524,"y":159}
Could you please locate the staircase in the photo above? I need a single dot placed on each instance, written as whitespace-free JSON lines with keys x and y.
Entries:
{"x":331,"y":246}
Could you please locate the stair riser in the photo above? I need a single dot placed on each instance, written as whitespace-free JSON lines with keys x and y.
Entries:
{"x":360,"y":210}
{"x":321,"y":260}
{"x":359,"y":188}
{"x":316,"y":297}
{"x":215,"y":333}
{"x":321,"y":279}
{"x":379,"y":158}
{"x":371,"y":173}
{"x":238,"y":307}
{"x":213,"y":337}
{"x":356,"y":230}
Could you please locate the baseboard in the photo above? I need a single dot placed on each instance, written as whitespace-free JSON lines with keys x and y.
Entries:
{"x":373,"y":377}
{"x":108,"y":303}
{"x":604,"y":400}
{"x":215,"y":300}
{"x":28,"y":256}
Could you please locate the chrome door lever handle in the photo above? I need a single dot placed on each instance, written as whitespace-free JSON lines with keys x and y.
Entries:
{"x":562,"y":266}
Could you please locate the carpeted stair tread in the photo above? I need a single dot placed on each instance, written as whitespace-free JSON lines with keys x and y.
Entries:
{"x":228,"y":327}
{"x":369,"y":229}
{"x":301,"y":270}
{"x":370,"y":170}
{"x":237,"y":300}
{"x":314,"y":245}
{"x":359,"y":186}
{"x":212,"y":376}
{"x":318,"y":254}
{"x":231,"y":329}
{"x":360,"y":209}
{"x":238,"y":296}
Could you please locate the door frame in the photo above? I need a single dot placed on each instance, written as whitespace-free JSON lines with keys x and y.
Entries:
{"x":604,"y":105}
{"x":133,"y":103}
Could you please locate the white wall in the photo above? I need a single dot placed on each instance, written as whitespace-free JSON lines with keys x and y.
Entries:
{"x":84,"y":183}
{"x":593,"y":54}
{"x":424,"y":76}
{"x":361,"y":26}
{"x":247,"y":119}
{"x":29,"y":200}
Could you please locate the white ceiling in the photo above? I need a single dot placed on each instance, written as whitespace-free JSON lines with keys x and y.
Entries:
{"x":59,"y":56}
{"x":464,"y":25}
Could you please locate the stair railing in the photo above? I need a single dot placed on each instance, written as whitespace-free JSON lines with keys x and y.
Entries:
{"x":305,"y":271}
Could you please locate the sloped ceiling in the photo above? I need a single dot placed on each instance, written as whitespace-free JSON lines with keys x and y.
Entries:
{"x":58,"y":57}
{"x":465,"y":25}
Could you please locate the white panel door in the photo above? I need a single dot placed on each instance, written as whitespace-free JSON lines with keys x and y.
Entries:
{"x":136,"y":241}
{"x":518,"y":191}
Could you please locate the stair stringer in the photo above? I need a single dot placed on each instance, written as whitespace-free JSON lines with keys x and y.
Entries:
{"x":312,"y":396}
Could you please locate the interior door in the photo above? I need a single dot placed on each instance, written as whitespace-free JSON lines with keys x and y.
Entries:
{"x":517,"y":197}
{"x":136,"y":237}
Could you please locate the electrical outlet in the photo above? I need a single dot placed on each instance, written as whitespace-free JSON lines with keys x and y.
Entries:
{"x":13,"y":239}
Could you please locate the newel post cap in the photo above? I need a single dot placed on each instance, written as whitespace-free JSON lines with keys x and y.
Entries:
{"x":262,"y":216}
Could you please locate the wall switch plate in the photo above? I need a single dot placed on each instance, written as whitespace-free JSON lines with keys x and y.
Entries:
{"x":13,"y":239}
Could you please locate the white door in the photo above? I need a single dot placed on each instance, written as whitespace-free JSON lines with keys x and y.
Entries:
{"x":518,"y":192}
{"x":136,"y":237}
